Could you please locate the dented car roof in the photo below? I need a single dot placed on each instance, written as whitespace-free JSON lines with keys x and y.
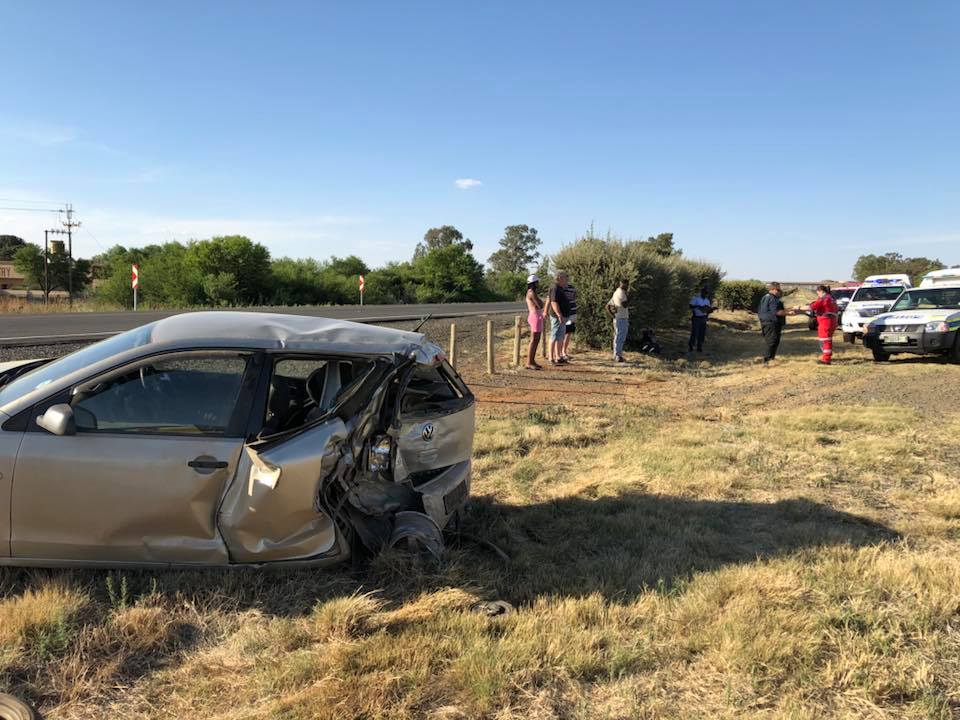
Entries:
{"x":275,"y":331}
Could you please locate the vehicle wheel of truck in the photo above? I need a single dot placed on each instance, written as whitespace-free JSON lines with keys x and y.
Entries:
{"x":955,"y":353}
{"x":13,"y":709}
{"x":880,"y":356}
{"x":850,"y":338}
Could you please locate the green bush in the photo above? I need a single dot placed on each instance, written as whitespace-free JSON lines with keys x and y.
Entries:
{"x":505,"y":285}
{"x":739,"y":294}
{"x":660,"y":287}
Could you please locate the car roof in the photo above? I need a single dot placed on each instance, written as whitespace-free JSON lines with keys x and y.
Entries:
{"x":276,"y":331}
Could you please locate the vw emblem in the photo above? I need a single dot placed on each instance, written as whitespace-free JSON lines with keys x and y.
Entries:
{"x":427,"y":432}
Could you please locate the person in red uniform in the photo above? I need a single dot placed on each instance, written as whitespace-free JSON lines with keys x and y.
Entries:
{"x":826,"y":311}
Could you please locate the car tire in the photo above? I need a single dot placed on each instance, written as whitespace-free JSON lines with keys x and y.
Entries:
{"x":13,"y":709}
{"x":879,"y":355}
{"x":849,"y":338}
{"x":955,"y":353}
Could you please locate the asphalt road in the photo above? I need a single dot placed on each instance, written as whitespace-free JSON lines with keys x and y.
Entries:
{"x":41,"y":328}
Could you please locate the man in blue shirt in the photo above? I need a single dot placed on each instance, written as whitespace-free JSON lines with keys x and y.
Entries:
{"x":772,"y":318}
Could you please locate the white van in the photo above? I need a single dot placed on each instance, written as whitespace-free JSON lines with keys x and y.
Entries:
{"x":874,"y":297}
{"x":947,"y":276}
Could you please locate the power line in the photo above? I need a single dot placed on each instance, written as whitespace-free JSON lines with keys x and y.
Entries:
{"x":23,"y":209}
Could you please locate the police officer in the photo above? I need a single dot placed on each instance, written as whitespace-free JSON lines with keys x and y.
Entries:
{"x":772,"y":318}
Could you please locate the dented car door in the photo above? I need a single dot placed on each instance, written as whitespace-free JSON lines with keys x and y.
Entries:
{"x":271,"y":511}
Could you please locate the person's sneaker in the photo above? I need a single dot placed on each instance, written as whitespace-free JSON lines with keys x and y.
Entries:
{"x":620,"y":358}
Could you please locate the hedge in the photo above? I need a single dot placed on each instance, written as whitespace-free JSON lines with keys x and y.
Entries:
{"x":660,"y":287}
{"x":739,"y":294}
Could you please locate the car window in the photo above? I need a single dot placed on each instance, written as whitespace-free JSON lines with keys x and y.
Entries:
{"x":85,"y":357}
{"x":933,"y":299}
{"x":303,"y":389}
{"x":876,"y":293}
{"x":432,"y":389}
{"x":182,"y":396}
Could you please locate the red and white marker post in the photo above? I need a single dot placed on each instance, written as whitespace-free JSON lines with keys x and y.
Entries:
{"x":134,"y":283}
{"x":362,"y":284}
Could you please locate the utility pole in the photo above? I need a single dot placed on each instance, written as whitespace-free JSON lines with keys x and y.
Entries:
{"x":46,"y":261}
{"x":70,"y":224}
{"x":46,"y":267}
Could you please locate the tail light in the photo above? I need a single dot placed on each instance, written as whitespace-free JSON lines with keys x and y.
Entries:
{"x":380,"y":453}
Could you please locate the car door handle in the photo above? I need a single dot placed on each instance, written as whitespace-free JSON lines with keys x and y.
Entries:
{"x":203,"y":464}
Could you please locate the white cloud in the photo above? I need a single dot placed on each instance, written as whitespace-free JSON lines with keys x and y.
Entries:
{"x":467,"y":183}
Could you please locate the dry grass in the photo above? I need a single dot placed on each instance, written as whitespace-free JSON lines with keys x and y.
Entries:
{"x":19,"y":306}
{"x":722,"y":545}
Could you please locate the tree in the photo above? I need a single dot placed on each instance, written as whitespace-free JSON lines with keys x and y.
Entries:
{"x":893,"y":262}
{"x":9,"y":244}
{"x":247,"y":261}
{"x":519,"y":248}
{"x":29,"y":260}
{"x":448,"y":274}
{"x":441,"y":237}
{"x":350,"y":266}
{"x":662,"y":245}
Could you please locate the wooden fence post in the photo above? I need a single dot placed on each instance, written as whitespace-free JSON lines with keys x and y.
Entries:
{"x":490,"y":347}
{"x":453,"y":344}
{"x":516,"y":341}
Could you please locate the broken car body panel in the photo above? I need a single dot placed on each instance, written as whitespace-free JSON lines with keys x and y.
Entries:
{"x":299,"y":481}
{"x":270,"y":510}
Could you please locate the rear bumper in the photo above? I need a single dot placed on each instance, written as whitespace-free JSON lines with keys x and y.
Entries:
{"x":919,"y":343}
{"x":445,"y":494}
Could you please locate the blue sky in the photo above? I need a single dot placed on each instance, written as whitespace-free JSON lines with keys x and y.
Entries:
{"x":780,"y":140}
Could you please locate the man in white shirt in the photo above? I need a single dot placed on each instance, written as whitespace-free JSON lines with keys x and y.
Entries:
{"x":700,"y":308}
{"x":617,"y":308}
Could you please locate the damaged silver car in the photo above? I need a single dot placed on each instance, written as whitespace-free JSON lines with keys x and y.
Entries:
{"x":225,"y":438}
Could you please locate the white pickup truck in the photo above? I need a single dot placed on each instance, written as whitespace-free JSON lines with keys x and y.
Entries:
{"x":873,"y":298}
{"x":923,"y":321}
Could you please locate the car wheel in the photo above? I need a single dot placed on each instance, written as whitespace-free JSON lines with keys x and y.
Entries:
{"x":879,"y":355}
{"x":13,"y":709}
{"x":955,"y":353}
{"x":849,"y":338}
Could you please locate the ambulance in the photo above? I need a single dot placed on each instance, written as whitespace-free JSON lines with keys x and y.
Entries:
{"x":923,"y":321}
{"x":874,"y":297}
{"x":947,"y":276}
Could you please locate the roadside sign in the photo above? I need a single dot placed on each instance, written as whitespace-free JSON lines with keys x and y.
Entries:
{"x":362,"y":284}
{"x":134,"y":283}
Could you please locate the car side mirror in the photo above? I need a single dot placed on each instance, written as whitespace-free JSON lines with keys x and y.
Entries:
{"x":58,"y":419}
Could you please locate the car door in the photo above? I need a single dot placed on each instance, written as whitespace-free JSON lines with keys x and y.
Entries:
{"x":156,"y":443}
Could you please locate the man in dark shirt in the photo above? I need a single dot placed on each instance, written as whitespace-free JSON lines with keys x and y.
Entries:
{"x":772,"y":318}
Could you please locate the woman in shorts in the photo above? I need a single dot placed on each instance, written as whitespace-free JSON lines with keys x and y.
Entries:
{"x":535,"y":319}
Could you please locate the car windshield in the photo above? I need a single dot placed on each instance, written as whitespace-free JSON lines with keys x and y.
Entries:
{"x":929,"y":299}
{"x":82,"y":358}
{"x":841,"y":293}
{"x":875,"y":293}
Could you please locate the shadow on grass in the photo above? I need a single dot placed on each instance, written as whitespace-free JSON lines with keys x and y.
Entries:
{"x":622,"y":546}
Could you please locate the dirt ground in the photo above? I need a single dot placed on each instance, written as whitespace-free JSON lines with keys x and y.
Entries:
{"x":719,"y":379}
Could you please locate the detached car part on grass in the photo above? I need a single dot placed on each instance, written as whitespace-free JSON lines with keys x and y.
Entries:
{"x":227,"y":438}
